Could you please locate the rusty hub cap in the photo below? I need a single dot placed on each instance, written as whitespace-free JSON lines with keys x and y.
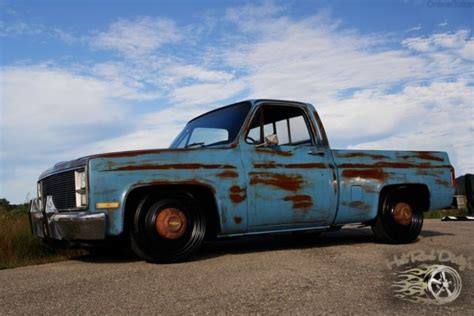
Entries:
{"x":402,"y":213}
{"x":171,"y":223}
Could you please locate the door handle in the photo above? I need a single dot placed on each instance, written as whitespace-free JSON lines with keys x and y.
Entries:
{"x":316,"y":152}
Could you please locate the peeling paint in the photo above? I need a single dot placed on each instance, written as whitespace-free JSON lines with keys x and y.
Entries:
{"x":300,"y":201}
{"x":358,"y":204}
{"x":283,"y":181}
{"x":362,"y":155}
{"x":274,"y":152}
{"x":442,"y":182}
{"x":394,"y":165}
{"x":228,"y":174}
{"x":274,"y":165}
{"x":376,"y":174}
{"x":190,"y":166}
{"x":237,"y":194}
{"x":422,"y":156}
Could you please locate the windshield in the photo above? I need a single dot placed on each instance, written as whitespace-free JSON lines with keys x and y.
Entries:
{"x":218,"y":127}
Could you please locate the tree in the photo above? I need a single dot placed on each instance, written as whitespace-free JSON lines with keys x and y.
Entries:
{"x":4,"y":205}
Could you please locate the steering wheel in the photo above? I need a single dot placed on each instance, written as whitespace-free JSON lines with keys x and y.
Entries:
{"x":249,"y":139}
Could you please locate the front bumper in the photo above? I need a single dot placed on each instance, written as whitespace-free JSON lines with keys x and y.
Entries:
{"x":47,"y":222}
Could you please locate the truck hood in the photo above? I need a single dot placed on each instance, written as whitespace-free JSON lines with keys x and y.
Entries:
{"x":83,"y":161}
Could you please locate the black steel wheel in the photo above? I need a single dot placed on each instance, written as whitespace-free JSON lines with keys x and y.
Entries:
{"x":167,"y":230}
{"x":399,"y":220}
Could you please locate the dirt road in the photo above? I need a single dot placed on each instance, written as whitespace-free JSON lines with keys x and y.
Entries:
{"x":338,"y":272}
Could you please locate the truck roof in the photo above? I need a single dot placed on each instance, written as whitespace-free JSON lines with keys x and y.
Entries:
{"x":253,"y":103}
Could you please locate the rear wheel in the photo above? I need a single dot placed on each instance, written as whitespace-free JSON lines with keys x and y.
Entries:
{"x":167,"y":230}
{"x":399,"y":220}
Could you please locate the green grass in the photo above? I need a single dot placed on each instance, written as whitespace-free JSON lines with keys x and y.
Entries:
{"x":18,"y":246}
{"x":441,"y":213}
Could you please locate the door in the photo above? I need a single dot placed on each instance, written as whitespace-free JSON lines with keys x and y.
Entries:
{"x":289,"y":185}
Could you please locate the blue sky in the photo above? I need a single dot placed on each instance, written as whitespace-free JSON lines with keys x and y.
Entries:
{"x":78,"y":77}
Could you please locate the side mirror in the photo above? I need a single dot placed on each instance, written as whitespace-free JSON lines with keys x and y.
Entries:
{"x":270,"y":140}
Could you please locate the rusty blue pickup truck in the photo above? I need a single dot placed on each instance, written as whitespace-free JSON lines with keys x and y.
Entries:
{"x":254,"y":167}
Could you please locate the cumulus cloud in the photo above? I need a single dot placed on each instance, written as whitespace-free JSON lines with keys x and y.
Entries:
{"x":459,"y":42}
{"x":44,"y":113}
{"x":433,"y":117}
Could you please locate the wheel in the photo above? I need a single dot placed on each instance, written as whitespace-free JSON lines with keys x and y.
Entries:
{"x":167,"y":230}
{"x":399,"y":221}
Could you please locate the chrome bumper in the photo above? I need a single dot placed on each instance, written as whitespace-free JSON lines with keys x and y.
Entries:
{"x":47,"y":222}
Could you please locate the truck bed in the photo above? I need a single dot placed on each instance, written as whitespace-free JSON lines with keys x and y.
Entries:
{"x":363,"y":174}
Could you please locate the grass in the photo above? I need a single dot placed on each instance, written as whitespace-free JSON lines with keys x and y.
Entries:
{"x":18,"y":246}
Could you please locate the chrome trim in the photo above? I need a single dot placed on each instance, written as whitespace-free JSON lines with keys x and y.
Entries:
{"x":48,"y":222}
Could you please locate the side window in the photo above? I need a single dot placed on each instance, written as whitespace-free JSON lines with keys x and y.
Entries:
{"x":208,"y":136}
{"x":287,"y":122}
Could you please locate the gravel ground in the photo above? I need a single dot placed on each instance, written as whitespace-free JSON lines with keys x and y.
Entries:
{"x":336,"y":273}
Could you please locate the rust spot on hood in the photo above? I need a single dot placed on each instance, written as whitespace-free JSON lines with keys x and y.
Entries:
{"x":282,"y":181}
{"x":300,"y":201}
{"x":272,"y":164}
{"x":376,"y":174}
{"x":237,"y":194}
{"x":190,"y":166}
{"x":238,"y":219}
{"x":228,"y":174}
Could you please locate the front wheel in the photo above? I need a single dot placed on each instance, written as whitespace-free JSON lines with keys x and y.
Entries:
{"x":167,"y":230}
{"x":399,"y":220}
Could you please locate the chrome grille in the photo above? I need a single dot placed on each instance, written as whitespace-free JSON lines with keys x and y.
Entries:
{"x":61,"y":187}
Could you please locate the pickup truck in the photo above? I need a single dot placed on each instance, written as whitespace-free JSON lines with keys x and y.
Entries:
{"x":253,"y":167}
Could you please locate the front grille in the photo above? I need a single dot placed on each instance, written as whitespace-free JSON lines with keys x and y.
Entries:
{"x":61,"y":187}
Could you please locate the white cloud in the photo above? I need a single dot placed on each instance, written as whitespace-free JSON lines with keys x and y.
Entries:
{"x":414,"y":29}
{"x":180,"y":72}
{"x":459,"y":40}
{"x":434,"y":117}
{"x":206,"y":93}
{"x":47,"y":111}
{"x":443,"y":24}
{"x":137,"y":37}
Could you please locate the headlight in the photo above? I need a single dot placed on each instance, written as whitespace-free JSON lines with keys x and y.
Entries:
{"x":80,"y":184}
{"x":39,"y":190}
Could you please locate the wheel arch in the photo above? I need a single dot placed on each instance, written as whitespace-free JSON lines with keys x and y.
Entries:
{"x":203,"y":194}
{"x":416,"y":192}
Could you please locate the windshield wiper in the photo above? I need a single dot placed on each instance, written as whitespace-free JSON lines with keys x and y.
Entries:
{"x":196,"y":144}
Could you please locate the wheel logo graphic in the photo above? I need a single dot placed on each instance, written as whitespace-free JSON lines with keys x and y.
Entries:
{"x":444,"y":284}
{"x":427,"y":284}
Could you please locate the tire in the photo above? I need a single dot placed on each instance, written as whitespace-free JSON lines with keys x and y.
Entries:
{"x":399,"y":220}
{"x":167,"y":230}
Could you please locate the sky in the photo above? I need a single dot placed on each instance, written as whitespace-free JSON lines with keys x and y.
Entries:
{"x":83,"y":77}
